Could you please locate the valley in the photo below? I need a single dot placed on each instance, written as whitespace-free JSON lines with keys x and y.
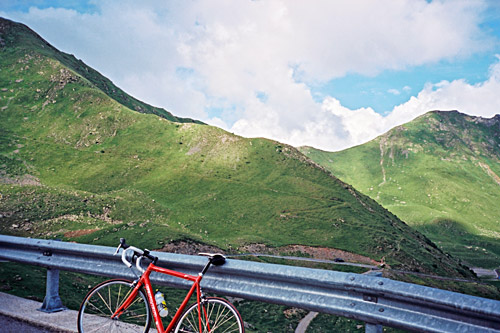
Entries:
{"x":439,"y":173}
{"x":82,"y":161}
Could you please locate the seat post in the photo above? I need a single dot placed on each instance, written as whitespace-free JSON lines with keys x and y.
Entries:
{"x":207,"y":266}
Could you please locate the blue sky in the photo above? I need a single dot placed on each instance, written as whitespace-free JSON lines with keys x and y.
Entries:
{"x":25,"y":5}
{"x":332,"y":75}
{"x":389,"y":88}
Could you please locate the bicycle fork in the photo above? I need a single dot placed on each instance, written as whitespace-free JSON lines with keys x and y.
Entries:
{"x":127,"y":300}
{"x":201,"y":305}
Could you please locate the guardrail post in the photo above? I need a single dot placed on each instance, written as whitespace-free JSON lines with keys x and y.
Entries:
{"x":373,"y":328}
{"x":413,"y":307}
{"x":52,"y":302}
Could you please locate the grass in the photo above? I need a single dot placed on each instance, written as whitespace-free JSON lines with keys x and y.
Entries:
{"x":308,"y":264}
{"x":79,"y":165}
{"x":24,"y":281}
{"x":441,"y":176}
{"x":102,"y":169}
{"x":19,"y":37}
{"x":329,"y":323}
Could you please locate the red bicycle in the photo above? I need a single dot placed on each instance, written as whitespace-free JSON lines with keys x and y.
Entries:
{"x":120,"y":305}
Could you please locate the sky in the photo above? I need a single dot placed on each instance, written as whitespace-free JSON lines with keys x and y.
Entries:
{"x":328,"y":74}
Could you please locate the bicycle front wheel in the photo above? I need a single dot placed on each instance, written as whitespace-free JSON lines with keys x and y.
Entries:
{"x":218,"y":315}
{"x":103,"y":300}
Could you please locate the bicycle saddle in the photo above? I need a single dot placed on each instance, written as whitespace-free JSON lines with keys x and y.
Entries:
{"x":216,"y":259}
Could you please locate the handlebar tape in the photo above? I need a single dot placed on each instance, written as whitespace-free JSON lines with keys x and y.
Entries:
{"x":149,"y":256}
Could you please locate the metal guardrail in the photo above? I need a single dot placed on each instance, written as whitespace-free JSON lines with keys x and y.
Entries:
{"x":374,"y":300}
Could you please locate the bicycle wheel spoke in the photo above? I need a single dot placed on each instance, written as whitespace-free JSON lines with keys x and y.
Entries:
{"x":219,"y":322}
{"x":95,"y":307}
{"x":138,"y":316}
{"x":205,"y":319}
{"x":137,"y":299}
{"x":99,"y":294}
{"x":218,"y":316}
{"x":118,"y":327}
{"x":208,"y":315}
{"x":95,"y":330}
{"x":107,"y":297}
{"x":192,"y":320}
{"x":118,"y":298}
{"x":231,"y":328}
{"x":111,"y":326}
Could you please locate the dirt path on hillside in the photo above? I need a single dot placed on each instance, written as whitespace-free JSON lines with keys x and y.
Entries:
{"x":381,"y":146}
{"x":299,"y":251}
{"x":484,"y":272}
{"x":313,"y":252}
{"x":304,"y":323}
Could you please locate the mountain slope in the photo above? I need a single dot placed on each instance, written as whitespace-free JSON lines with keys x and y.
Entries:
{"x":439,"y":173}
{"x":79,"y":165}
{"x":19,"y":36}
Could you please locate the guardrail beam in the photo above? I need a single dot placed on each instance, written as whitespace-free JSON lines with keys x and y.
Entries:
{"x":371,"y":299}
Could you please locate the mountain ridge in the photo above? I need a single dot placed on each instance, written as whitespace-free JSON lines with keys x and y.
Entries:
{"x":32,"y":40}
{"x":78,"y":165}
{"x":439,"y":172}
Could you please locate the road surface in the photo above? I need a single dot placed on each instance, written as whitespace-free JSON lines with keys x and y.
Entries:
{"x":10,"y":325}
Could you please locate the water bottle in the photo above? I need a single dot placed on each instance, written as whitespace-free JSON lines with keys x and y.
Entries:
{"x":161,"y":304}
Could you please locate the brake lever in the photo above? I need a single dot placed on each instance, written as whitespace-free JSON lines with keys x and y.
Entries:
{"x":118,"y":249}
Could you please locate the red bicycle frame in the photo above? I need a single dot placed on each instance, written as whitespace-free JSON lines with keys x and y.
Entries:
{"x":145,"y":281}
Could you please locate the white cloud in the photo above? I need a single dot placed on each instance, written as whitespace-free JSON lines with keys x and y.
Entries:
{"x":361,"y":125}
{"x":218,"y":122}
{"x":482,"y":99}
{"x":193,"y":57}
{"x":335,"y":127}
{"x":394,"y":91}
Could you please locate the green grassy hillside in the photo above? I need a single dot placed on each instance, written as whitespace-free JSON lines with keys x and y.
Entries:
{"x":79,"y":165}
{"x":20,"y":36}
{"x":440,"y":173}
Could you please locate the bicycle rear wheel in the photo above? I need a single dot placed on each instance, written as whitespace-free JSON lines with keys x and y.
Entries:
{"x":218,"y":315}
{"x":103,"y":300}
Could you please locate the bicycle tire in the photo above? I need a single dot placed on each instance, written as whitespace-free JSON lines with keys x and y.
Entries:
{"x":101,"y":302}
{"x":222,"y":317}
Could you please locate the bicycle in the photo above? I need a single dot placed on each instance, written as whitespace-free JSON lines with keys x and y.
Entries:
{"x":122,"y":305}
